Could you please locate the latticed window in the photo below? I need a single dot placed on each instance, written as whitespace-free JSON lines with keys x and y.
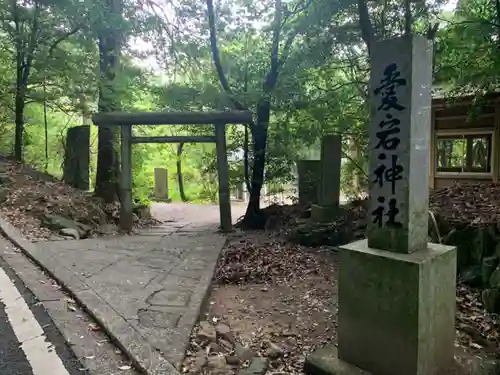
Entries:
{"x":464,"y":153}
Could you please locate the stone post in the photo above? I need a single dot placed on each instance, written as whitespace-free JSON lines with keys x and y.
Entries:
{"x":77,"y":157}
{"x":226,"y":221}
{"x":329,"y":184}
{"x":161,"y":185}
{"x":396,"y":296}
{"x":308,"y":172}
{"x":240,"y":192}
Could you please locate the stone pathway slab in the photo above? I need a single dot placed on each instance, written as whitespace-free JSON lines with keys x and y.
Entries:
{"x":145,"y":290}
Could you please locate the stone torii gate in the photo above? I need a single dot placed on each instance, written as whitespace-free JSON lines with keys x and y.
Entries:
{"x":219,"y":120}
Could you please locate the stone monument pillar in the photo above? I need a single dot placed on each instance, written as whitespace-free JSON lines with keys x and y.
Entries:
{"x":308,"y":173}
{"x":329,"y":184}
{"x":161,"y":185}
{"x":77,"y":157}
{"x":396,"y":291}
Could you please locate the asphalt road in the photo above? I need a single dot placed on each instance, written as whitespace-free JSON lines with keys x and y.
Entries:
{"x":29,"y":342}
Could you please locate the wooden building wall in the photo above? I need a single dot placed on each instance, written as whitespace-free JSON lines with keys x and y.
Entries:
{"x":453,"y":118}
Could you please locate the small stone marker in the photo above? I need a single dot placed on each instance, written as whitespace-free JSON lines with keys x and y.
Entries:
{"x":329,"y":183}
{"x":161,"y":184}
{"x":240,"y":191}
{"x":396,"y":298}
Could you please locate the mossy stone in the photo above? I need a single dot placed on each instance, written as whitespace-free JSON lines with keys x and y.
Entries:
{"x":491,"y":299}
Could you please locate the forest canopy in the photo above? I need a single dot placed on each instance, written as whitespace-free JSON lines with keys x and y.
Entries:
{"x":300,"y":66}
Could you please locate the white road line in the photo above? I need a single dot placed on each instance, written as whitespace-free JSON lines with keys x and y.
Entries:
{"x":40,"y":353}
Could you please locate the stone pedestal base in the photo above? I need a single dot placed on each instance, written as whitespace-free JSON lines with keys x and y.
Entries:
{"x":325,"y":361}
{"x":323,"y":214}
{"x":163,"y":200}
{"x":397,"y":311}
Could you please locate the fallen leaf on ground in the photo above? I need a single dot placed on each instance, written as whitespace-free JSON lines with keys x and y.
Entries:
{"x":33,"y":194}
{"x":297,"y":312}
{"x":93,"y":327}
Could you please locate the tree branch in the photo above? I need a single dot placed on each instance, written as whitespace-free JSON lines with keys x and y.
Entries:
{"x":470,"y":21}
{"x":299,"y":8}
{"x":408,"y":17}
{"x":288,"y":47}
{"x":216,"y":57}
{"x":347,"y":156}
{"x":366,"y":25}
{"x":26,"y":65}
{"x":272,"y":76}
{"x":65,"y":36}
{"x":497,"y":11}
{"x":432,"y":31}
{"x":19,"y":43}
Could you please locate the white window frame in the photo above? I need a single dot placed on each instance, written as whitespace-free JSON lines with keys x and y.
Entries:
{"x":458,"y":134}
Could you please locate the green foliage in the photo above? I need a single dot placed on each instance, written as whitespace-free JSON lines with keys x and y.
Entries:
{"x":321,"y":89}
{"x":468,"y":49}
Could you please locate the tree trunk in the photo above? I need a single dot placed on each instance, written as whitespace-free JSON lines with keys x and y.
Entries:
{"x":365,"y":24}
{"x":106,"y":183}
{"x":107,"y":177}
{"x":253,"y":216}
{"x":356,"y":155}
{"x":246,"y":141}
{"x":180,"y":180}
{"x":19,"y":96}
{"x":46,"y":128}
{"x":19,"y":120}
{"x":497,"y":20}
{"x":246,"y":165}
{"x":408,"y":17}
{"x":24,"y":61}
{"x":22,"y":75}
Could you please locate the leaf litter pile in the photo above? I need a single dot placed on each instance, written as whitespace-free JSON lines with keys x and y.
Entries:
{"x":276,"y":300}
{"x":477,"y":330}
{"x":268,"y":262}
{"x":471,"y":204}
{"x":459,"y":205}
{"x":28,"y":196}
{"x":279,"y":300}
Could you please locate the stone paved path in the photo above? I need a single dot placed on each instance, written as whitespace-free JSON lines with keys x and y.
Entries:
{"x":194,"y":215}
{"x":146,"y":290}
